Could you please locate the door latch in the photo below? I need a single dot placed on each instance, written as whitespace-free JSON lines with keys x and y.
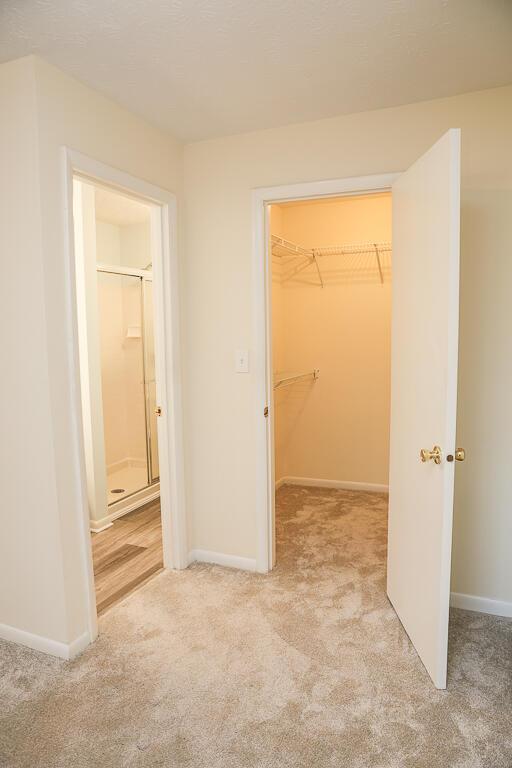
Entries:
{"x":460,"y":455}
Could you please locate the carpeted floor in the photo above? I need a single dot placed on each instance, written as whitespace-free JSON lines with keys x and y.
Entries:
{"x":307,"y":667}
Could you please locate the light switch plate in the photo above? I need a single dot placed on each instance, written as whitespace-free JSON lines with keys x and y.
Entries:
{"x":242,"y":361}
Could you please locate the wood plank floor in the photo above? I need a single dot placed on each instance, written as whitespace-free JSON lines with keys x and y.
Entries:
{"x":127,"y":554}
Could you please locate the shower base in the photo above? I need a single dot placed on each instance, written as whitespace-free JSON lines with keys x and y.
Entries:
{"x":130,"y":478}
{"x":127,"y":479}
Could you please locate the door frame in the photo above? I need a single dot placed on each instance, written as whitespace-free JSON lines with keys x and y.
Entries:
{"x":168,"y":361}
{"x":262,"y":197}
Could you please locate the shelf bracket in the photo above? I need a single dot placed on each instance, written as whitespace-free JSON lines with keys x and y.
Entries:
{"x":378,"y":263}
{"x":315,"y":259}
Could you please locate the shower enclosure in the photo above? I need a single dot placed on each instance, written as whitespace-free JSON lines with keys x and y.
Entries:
{"x":126,"y":332}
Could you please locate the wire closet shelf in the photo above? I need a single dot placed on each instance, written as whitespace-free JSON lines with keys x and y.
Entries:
{"x":294,"y":259}
{"x":287,"y":380}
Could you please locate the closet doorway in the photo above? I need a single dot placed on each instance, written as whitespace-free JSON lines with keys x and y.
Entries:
{"x":331,"y":341}
{"x":325,"y":257}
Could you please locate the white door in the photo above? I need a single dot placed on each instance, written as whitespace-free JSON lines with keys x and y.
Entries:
{"x":426,"y":212}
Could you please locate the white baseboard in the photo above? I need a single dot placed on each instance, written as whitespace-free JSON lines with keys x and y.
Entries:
{"x":346,"y":485}
{"x":78,"y":645}
{"x":98,"y":527}
{"x":219,"y":558}
{"x":65,"y":651}
{"x":123,"y":506}
{"x":480,"y":604}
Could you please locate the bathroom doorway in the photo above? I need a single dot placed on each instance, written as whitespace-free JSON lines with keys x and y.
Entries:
{"x":122,"y":377}
{"x":82,"y":176}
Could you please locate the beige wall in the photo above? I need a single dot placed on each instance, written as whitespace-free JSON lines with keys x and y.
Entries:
{"x":221,"y":417}
{"x":128,"y":245}
{"x":136,"y":245}
{"x":32,"y":595}
{"x":108,"y":242}
{"x":43,"y":110}
{"x":336,"y":428}
{"x":88,"y":322}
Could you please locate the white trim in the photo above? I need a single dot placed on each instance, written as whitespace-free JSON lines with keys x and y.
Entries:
{"x":219,"y":558}
{"x":119,"y":509}
{"x":481,"y":604}
{"x":346,"y":485}
{"x":100,"y":526}
{"x":78,"y":645}
{"x":65,"y":651}
{"x":167,"y":345}
{"x":262,"y":333}
{"x":75,"y":415}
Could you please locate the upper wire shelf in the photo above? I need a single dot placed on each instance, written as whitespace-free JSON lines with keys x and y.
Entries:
{"x":295,"y":259}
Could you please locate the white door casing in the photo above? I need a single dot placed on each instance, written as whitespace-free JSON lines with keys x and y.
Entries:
{"x":425,"y":311}
{"x":168,"y":360}
{"x":262,"y":334}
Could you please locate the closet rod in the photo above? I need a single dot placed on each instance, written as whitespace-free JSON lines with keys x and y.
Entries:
{"x":314,"y":374}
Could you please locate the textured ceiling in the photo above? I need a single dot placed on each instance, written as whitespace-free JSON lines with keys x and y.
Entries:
{"x":201,"y":68}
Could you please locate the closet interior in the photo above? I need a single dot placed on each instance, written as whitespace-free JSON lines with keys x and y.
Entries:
{"x":331,"y":326}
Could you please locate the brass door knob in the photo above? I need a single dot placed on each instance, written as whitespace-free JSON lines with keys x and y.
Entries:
{"x":460,"y":455}
{"x":433,"y":455}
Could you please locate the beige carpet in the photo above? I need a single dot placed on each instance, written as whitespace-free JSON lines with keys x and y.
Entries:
{"x":307,"y":667}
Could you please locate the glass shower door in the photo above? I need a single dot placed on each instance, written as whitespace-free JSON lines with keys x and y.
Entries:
{"x":121,"y":334}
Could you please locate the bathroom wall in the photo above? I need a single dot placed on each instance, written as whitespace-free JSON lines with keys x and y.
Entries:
{"x":335,"y":428}
{"x":108,"y":242}
{"x":128,"y":245}
{"x":135,"y":245}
